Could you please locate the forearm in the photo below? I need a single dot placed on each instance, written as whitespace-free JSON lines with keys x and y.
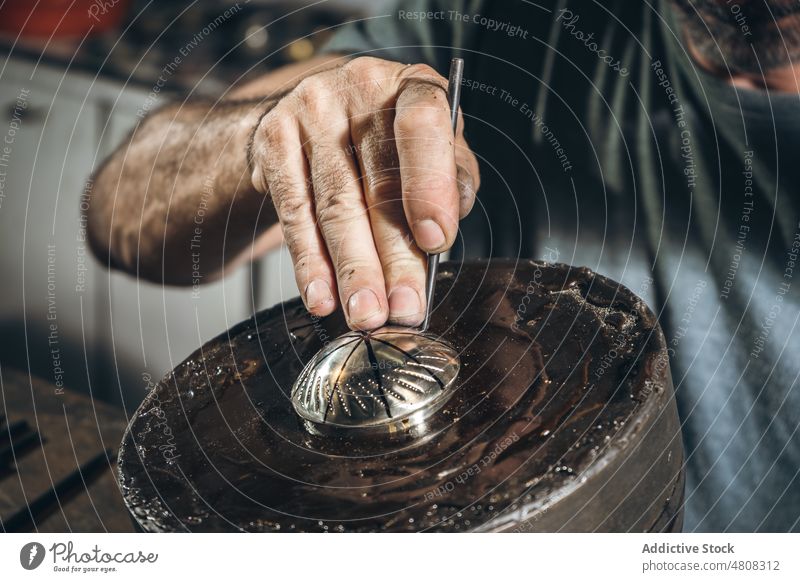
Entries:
{"x":176,"y":200}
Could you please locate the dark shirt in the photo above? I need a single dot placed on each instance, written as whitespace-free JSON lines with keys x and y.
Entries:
{"x":602,"y":144}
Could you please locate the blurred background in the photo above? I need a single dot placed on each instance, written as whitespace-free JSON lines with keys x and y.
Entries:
{"x":76,"y":77}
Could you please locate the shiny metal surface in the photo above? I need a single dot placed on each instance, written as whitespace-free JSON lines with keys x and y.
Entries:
{"x":391,"y":378}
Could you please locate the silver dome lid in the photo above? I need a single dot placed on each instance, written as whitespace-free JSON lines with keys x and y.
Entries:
{"x":391,"y":378}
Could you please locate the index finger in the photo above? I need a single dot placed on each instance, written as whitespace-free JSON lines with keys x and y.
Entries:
{"x":425,"y":148}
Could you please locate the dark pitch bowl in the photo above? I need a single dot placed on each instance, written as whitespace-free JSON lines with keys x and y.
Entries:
{"x":564,"y":419}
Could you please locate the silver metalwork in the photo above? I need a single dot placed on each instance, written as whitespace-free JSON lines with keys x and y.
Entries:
{"x":392,"y":378}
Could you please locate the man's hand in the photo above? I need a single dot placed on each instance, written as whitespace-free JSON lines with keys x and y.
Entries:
{"x":362,"y":169}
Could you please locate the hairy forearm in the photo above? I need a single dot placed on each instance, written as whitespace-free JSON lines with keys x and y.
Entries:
{"x":176,"y":199}
{"x":169,"y":191}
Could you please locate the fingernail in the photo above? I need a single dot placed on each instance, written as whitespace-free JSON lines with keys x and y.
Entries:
{"x":429,"y":235}
{"x":318,"y":292}
{"x":362,"y":305}
{"x":404,"y":302}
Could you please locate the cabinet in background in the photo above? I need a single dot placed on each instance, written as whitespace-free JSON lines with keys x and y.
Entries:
{"x":63,"y":316}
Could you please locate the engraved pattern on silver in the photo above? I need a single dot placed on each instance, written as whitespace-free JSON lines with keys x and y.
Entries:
{"x":393,"y":375}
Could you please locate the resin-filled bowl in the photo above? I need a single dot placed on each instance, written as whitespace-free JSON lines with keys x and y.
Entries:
{"x":561,"y":417}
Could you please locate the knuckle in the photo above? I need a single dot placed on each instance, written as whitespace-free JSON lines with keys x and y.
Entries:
{"x":380,"y":149}
{"x":402,"y":242}
{"x":368,"y":95}
{"x":373,"y":130}
{"x":363,"y":68}
{"x":383,"y":186}
{"x":277,"y":127}
{"x":304,"y":259}
{"x":421,"y":70}
{"x":330,"y":183}
{"x":355,"y":268}
{"x":292,"y":208}
{"x":422,"y":81}
{"x":400,"y":263}
{"x":338,"y":211}
{"x":313,"y":94}
{"x":276,"y":121}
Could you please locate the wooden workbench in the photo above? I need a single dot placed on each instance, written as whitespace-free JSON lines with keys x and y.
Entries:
{"x":74,"y":428}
